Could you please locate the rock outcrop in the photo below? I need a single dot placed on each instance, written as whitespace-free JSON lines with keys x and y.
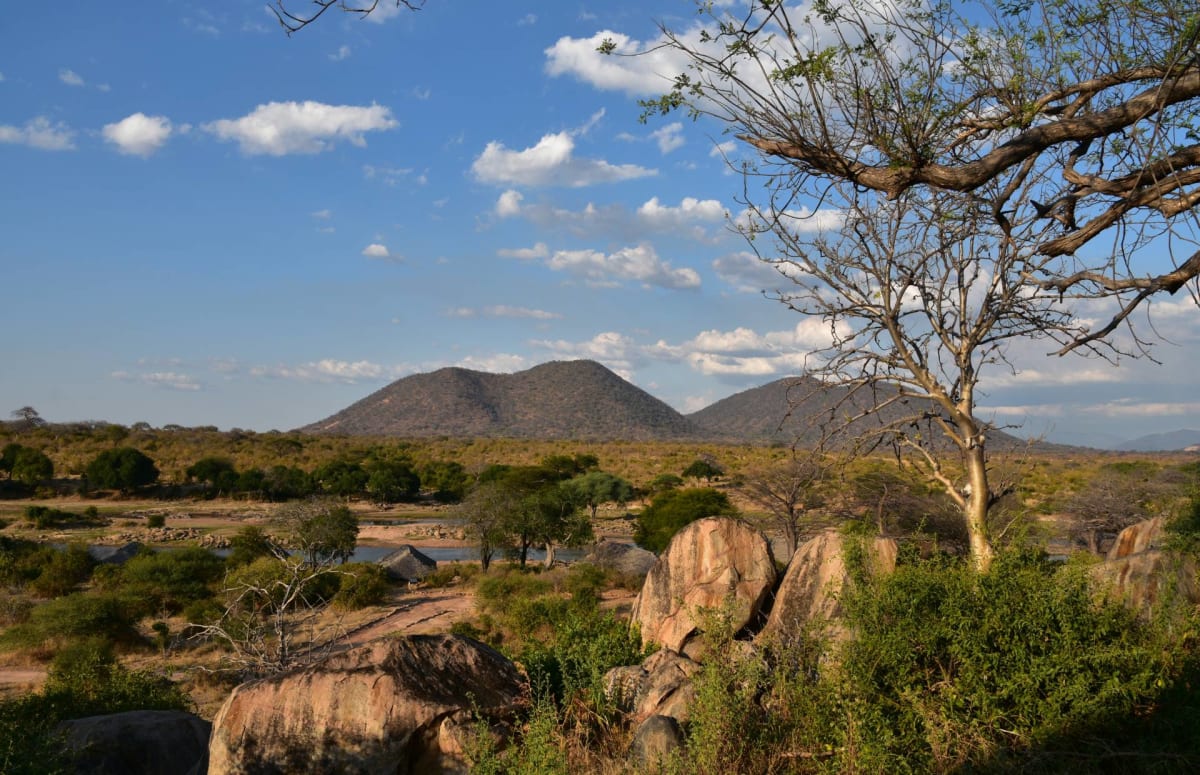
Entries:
{"x":654,"y":740}
{"x":660,"y":686}
{"x":379,"y":708}
{"x":1140,"y":574}
{"x":627,"y":559}
{"x":1137,"y":538}
{"x":148,"y":742}
{"x":715,"y":563}
{"x":810,"y":593}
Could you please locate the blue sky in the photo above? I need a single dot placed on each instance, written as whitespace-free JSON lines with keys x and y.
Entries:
{"x":207,"y":222}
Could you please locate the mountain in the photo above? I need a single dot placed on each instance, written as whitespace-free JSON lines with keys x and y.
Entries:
{"x":790,"y":411}
{"x":556,"y":400}
{"x":1162,"y":442}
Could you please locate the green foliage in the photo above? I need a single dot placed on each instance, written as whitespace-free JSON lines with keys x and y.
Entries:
{"x":447,"y":479}
{"x":341,"y":477}
{"x":248,"y":544}
{"x":155,"y":521}
{"x":362,"y":584}
{"x":447,"y":574}
{"x":673,"y":509}
{"x":63,"y":571}
{"x":703,"y":469}
{"x":83,"y":680}
{"x":664,"y":482}
{"x":390,"y":481}
{"x":597,"y":487}
{"x":166,"y":581}
{"x":217,"y":473}
{"x":954,"y":669}
{"x":46,"y":518}
{"x":123,"y":468}
{"x":74,"y":617}
{"x":324,"y":531}
{"x":26,"y":465}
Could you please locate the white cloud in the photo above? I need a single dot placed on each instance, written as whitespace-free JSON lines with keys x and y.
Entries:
{"x":639,"y":262}
{"x":669,"y":138}
{"x":498,"y":363}
{"x":509,"y":204}
{"x":1067,"y":373}
{"x":376,"y":250}
{"x":703,"y":220}
{"x":138,"y":134}
{"x":322,"y":215}
{"x":502,"y":311}
{"x":723,"y":150}
{"x":1132,"y":407}
{"x":746,"y":272}
{"x":168,"y":380}
{"x":551,"y":162}
{"x":539,"y":250}
{"x":70,"y":77}
{"x":340,"y":54}
{"x":690,"y":210}
{"x":280,"y":128}
{"x":636,"y":68}
{"x":616,"y":351}
{"x":389,"y":175}
{"x":41,"y":134}
{"x":329,"y":370}
{"x":527,"y":19}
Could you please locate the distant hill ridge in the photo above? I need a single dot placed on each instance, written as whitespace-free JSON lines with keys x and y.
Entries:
{"x":556,"y":400}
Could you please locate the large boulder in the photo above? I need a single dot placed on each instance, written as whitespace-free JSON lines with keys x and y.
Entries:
{"x":150,"y":742}
{"x":407,"y":564}
{"x":810,"y":594}
{"x":1139,"y":573}
{"x":626,"y":559}
{"x":654,"y":741}
{"x":1137,"y":538}
{"x":660,"y":686}
{"x":715,"y":563}
{"x":379,"y":708}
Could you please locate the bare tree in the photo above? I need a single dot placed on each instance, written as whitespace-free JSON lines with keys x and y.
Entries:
{"x":789,"y":492}
{"x":294,"y":22}
{"x":1077,"y":115}
{"x":964,"y":160}
{"x":271,"y":612}
{"x":29,"y":416}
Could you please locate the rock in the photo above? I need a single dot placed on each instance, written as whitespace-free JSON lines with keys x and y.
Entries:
{"x":1134,"y":539}
{"x":378,"y":708}
{"x":114,"y":555}
{"x":148,"y":742}
{"x":627,"y":559}
{"x":1144,"y":579}
{"x":408,"y":564}
{"x":654,"y":740}
{"x":708,"y":563}
{"x":809,"y":594}
{"x":662,"y":685}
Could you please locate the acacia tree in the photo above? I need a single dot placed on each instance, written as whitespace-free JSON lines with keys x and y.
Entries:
{"x":787,"y":490}
{"x":988,"y":163}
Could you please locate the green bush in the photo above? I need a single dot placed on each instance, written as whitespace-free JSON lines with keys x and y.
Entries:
{"x":154,"y":582}
{"x":63,"y":571}
{"x":75,"y":617}
{"x":671,"y":510}
{"x":83,"y":680}
{"x":156,"y":521}
{"x":445,"y":575}
{"x":361,"y":584}
{"x":952,"y":669}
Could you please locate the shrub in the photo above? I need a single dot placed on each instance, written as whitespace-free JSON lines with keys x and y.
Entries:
{"x":248,"y":544}
{"x":124,"y":469}
{"x":362,"y":584}
{"x":156,"y":520}
{"x":166,"y":580}
{"x":446,"y":575}
{"x":75,"y":617}
{"x":670,"y":511}
{"x":63,"y":572}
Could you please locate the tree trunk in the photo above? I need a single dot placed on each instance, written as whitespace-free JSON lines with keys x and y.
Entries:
{"x":976,"y":509}
{"x":549,"y":563}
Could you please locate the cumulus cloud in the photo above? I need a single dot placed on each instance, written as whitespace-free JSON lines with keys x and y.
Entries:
{"x":551,"y":162}
{"x":41,"y":134}
{"x":329,"y":370}
{"x":138,"y":134}
{"x":539,"y":250}
{"x":1133,"y":407}
{"x":167,"y":380}
{"x":376,"y":250}
{"x":281,"y":128}
{"x":509,"y":204}
{"x":703,"y":220}
{"x":669,"y":138}
{"x":639,"y":262}
{"x":746,"y":272}
{"x":502,"y":311}
{"x":615,"y":350}
{"x":640,"y":69}
{"x":70,"y":77}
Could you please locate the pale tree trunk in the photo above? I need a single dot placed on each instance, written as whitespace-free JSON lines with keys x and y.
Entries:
{"x":549,"y":562}
{"x":975,"y":510}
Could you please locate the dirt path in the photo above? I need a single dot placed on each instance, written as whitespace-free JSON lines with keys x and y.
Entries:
{"x":422,"y":612}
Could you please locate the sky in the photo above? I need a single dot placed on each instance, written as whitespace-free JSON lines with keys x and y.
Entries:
{"x":207,"y":222}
